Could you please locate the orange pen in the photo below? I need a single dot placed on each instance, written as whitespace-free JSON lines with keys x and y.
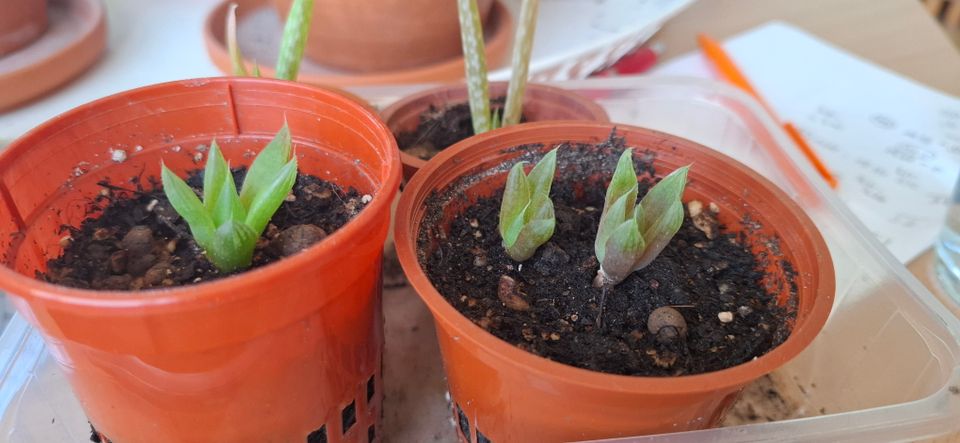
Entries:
{"x":724,"y":64}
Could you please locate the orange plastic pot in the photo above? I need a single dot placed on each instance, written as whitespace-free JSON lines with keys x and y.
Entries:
{"x":21,"y":22}
{"x":540,"y":103}
{"x":507,"y":394}
{"x":378,"y":35}
{"x":273,"y":354}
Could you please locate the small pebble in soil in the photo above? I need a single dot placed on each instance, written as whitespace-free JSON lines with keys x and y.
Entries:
{"x":725,"y":317}
{"x":509,"y":294}
{"x":118,"y":155}
{"x":744,"y":311}
{"x":667,"y":324}
{"x":704,"y":220}
{"x":296,"y":238}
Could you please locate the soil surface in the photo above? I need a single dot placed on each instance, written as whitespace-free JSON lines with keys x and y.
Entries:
{"x":440,"y":128}
{"x":555,"y":312}
{"x":133,"y":239}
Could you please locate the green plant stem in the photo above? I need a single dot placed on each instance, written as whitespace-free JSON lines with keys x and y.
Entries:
{"x":471,"y":37}
{"x":294,"y":39}
{"x":236,"y":58}
{"x":520,"y":62}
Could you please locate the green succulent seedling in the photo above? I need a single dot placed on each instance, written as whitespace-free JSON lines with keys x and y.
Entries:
{"x":292,"y":42}
{"x":631,"y":235}
{"x":471,"y":36}
{"x":526,"y":212}
{"x":227,"y":224}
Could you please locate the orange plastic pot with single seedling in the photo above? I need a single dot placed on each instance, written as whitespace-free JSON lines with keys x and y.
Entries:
{"x":501,"y":392}
{"x":540,"y":103}
{"x":283,"y":352}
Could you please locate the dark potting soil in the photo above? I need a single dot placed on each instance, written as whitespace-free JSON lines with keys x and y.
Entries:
{"x":561,"y":315}
{"x":133,"y":239}
{"x":440,"y":128}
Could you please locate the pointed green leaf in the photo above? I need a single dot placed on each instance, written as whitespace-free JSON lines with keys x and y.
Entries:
{"x":662,"y":196}
{"x":228,"y":206}
{"x":294,"y":39}
{"x":475,"y":64}
{"x":236,"y":58}
{"x":532,"y":235}
{"x":520,"y":61}
{"x":662,"y":230}
{"x":624,"y":181}
{"x":540,"y":208}
{"x":516,"y":197}
{"x":541,"y":176}
{"x":269,"y":199}
{"x":187,"y":204}
{"x":624,"y":248}
{"x":215,"y":174}
{"x":266,"y":166}
{"x":233,"y":246}
{"x":610,"y":220}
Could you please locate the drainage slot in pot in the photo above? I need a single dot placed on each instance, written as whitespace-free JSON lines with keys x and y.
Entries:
{"x":348,"y":416}
{"x":464,"y":423}
{"x":482,"y":438}
{"x":370,"y":389}
{"x":371,"y":434}
{"x":318,"y":436}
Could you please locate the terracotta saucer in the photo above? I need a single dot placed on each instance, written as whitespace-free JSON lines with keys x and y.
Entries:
{"x":75,"y":38}
{"x":259,"y":28}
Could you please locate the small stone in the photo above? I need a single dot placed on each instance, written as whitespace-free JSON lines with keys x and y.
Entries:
{"x":171,"y":246}
{"x":474,"y":223}
{"x":667,"y":324}
{"x":574,"y":317}
{"x":471,"y":302}
{"x":118,"y":155}
{"x":138,"y":240}
{"x":477,"y":234}
{"x":290,"y":198}
{"x":509,"y":294}
{"x":101,"y":234}
{"x":296,"y":238}
{"x":152,"y":204}
{"x":744,"y":311}
{"x":551,"y":258}
{"x":725,"y":317}
{"x":554,"y":336}
{"x":484,"y":322}
{"x":724,"y":287}
{"x":479,"y":261}
{"x":138,"y":264}
{"x":156,"y":274}
{"x":65,"y":241}
{"x":366,"y":198}
{"x":714,"y":208}
{"x":198,"y":157}
{"x":527,"y":334}
{"x":654,"y":284}
{"x":705,"y":221}
{"x":118,"y":262}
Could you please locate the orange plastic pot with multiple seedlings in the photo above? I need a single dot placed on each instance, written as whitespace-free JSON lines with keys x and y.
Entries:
{"x":277,"y":353}
{"x":506,"y":394}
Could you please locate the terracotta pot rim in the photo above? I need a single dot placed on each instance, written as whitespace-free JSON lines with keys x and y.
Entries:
{"x":231,"y":287}
{"x":442,"y":91}
{"x":800,"y":337}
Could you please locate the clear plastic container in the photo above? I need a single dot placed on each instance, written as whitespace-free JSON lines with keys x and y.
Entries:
{"x":885,"y":368}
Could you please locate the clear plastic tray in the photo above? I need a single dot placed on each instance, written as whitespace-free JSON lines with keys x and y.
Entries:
{"x":885,"y":368}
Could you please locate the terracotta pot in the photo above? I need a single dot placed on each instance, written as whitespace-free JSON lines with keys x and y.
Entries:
{"x":540,"y":103}
{"x":21,"y":22}
{"x":510,"y":395}
{"x":377,"y":35}
{"x":272,"y":354}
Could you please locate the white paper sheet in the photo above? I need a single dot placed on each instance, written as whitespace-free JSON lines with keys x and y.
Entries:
{"x":893,"y":144}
